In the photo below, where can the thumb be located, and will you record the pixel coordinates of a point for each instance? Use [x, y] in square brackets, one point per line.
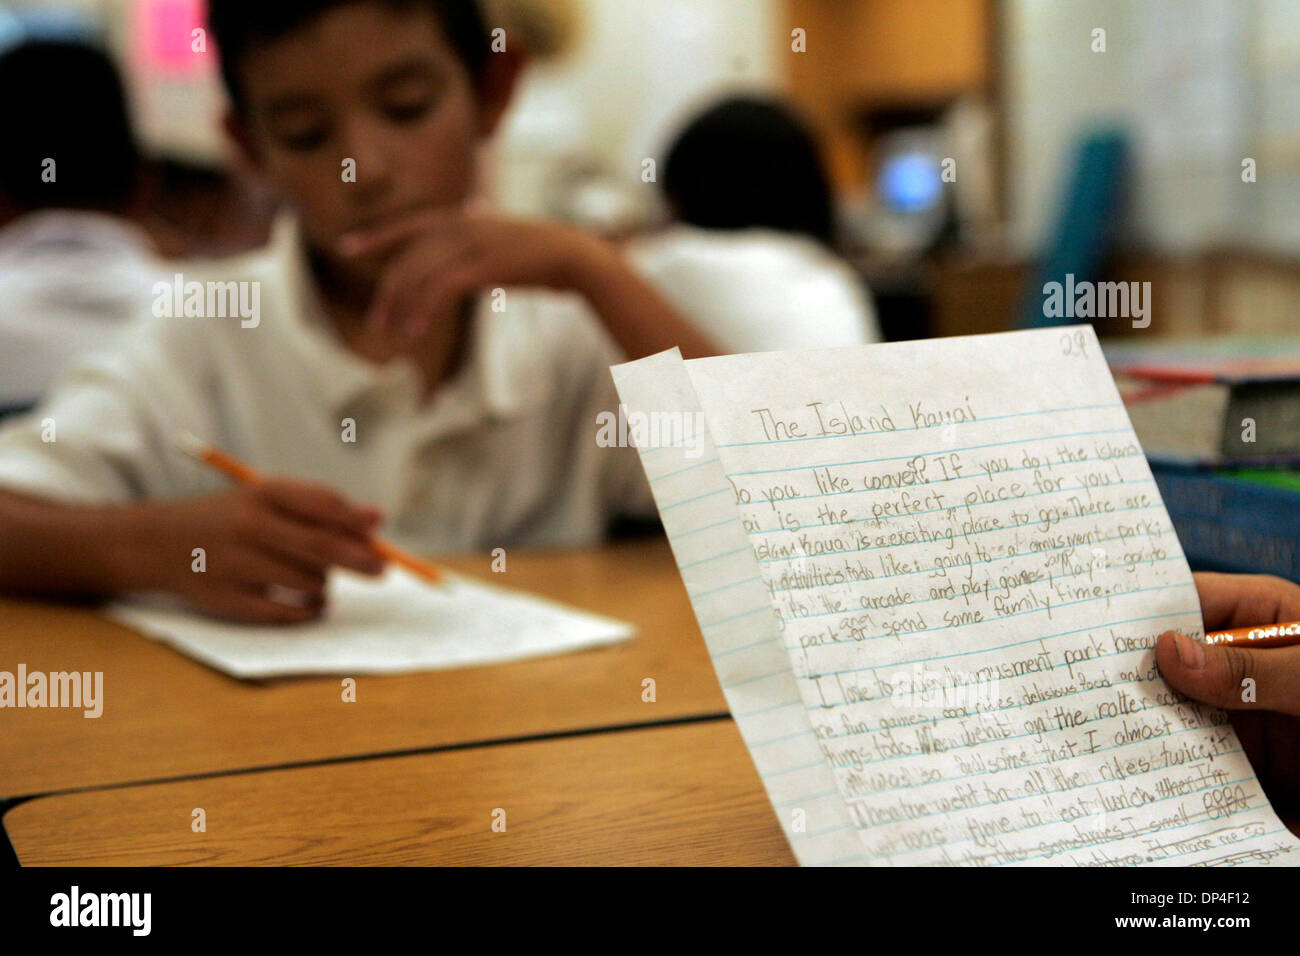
[1234, 678]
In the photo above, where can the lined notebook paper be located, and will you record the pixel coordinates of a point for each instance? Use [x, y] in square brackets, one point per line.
[392, 624]
[931, 576]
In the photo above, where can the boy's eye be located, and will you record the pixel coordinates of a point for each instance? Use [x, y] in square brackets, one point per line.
[304, 140]
[407, 95]
[407, 110]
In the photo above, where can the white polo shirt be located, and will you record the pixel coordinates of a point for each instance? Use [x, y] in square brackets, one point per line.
[68, 282]
[758, 290]
[504, 453]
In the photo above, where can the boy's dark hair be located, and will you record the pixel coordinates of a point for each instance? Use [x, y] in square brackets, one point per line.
[239, 25]
[748, 162]
[63, 100]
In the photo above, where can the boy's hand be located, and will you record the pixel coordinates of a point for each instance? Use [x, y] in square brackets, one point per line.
[1269, 726]
[258, 538]
[439, 257]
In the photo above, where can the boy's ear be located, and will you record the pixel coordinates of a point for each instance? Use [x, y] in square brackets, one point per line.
[501, 75]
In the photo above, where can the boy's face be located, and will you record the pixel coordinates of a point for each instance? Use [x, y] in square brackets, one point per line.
[375, 85]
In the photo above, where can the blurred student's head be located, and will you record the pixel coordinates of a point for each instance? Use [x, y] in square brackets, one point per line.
[749, 162]
[67, 136]
[360, 110]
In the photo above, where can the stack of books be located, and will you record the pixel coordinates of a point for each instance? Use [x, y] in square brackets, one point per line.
[1219, 420]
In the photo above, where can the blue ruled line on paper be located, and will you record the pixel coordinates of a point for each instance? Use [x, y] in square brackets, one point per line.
[714, 557]
[1145, 832]
[766, 607]
[987, 650]
[1127, 430]
[724, 587]
[940, 483]
[992, 620]
[929, 568]
[1213, 785]
[922, 721]
[910, 604]
[905, 544]
[808, 797]
[898, 431]
[769, 708]
[1095, 750]
[1051, 822]
[707, 527]
[682, 471]
[687, 501]
[959, 505]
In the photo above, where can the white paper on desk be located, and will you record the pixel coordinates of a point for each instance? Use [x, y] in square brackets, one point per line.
[394, 624]
[852, 512]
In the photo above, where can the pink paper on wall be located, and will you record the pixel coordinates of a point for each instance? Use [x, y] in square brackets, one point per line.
[165, 39]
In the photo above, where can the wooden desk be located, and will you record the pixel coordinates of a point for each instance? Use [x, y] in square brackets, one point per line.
[680, 795]
[166, 716]
[668, 795]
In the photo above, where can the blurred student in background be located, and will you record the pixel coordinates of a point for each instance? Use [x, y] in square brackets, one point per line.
[396, 357]
[750, 254]
[73, 265]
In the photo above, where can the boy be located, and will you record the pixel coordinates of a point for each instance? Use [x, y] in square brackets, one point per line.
[381, 347]
[751, 252]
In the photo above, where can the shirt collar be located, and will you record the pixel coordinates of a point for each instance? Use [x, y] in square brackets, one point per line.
[498, 378]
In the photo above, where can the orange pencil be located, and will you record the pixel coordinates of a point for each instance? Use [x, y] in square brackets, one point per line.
[232, 467]
[1263, 635]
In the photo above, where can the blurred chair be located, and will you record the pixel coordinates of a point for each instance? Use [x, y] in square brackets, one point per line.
[1092, 201]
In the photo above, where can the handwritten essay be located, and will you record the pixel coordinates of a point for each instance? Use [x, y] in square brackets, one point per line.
[931, 576]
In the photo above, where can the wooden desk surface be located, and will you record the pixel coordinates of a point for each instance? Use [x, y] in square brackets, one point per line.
[686, 794]
[677, 795]
[167, 716]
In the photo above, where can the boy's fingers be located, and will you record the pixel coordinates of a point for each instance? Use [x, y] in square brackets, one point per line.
[393, 289]
[1235, 678]
[314, 547]
[440, 294]
[396, 289]
[1244, 600]
[318, 505]
[401, 290]
[253, 606]
[257, 569]
[362, 242]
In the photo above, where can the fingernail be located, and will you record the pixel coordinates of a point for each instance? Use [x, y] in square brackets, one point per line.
[1191, 654]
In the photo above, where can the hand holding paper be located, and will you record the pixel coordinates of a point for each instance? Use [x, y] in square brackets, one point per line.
[931, 576]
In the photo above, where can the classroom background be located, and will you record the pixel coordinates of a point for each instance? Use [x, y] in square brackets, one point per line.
[1011, 89]
[976, 151]
[1007, 87]
[978, 154]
